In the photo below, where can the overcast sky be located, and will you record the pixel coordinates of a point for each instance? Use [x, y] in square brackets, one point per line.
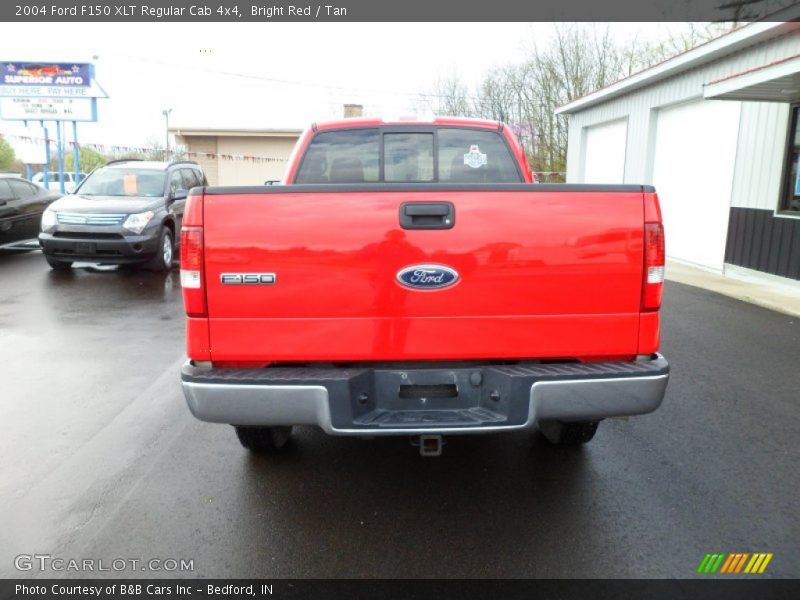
[267, 75]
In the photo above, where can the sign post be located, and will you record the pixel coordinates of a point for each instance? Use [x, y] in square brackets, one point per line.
[60, 156]
[76, 155]
[46, 166]
[55, 92]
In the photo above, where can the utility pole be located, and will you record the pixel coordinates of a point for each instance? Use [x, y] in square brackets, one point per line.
[166, 112]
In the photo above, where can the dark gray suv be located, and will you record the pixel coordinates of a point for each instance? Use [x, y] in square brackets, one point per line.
[125, 212]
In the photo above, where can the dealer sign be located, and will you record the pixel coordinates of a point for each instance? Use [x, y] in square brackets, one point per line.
[49, 74]
[48, 109]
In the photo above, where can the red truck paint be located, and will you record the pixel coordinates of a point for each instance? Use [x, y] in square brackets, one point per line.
[565, 283]
[547, 273]
[528, 290]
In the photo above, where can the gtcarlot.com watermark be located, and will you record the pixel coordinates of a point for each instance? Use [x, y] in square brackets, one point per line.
[48, 562]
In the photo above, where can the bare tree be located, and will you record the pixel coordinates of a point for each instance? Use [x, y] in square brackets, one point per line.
[691, 36]
[496, 99]
[737, 11]
[578, 60]
[449, 97]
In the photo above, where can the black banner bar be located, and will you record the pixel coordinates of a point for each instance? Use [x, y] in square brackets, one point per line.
[395, 10]
[513, 589]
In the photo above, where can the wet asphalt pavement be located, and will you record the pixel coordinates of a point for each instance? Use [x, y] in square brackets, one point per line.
[101, 459]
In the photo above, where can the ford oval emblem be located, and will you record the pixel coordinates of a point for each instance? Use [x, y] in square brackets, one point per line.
[427, 277]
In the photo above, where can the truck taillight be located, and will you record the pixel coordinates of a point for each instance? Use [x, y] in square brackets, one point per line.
[194, 298]
[653, 266]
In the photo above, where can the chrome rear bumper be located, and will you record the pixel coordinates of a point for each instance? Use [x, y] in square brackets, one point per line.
[366, 402]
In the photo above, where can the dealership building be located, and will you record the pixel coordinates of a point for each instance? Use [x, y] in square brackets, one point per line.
[244, 156]
[238, 156]
[716, 131]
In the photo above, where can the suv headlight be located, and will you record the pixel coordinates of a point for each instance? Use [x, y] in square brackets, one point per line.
[136, 223]
[49, 220]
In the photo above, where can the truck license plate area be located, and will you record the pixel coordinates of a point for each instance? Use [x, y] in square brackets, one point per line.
[442, 390]
[427, 398]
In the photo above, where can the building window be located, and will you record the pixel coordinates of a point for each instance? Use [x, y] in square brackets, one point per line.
[790, 200]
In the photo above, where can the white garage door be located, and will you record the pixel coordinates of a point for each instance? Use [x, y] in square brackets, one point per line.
[604, 161]
[693, 174]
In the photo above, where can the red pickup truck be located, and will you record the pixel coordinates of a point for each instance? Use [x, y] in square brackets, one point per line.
[411, 278]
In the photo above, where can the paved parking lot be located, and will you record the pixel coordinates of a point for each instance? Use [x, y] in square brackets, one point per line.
[101, 459]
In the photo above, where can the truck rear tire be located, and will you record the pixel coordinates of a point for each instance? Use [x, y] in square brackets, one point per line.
[263, 439]
[58, 265]
[568, 434]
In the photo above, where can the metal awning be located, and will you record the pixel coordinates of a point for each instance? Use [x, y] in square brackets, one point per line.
[777, 81]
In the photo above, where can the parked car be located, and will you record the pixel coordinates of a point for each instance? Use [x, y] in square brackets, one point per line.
[411, 279]
[126, 212]
[54, 180]
[21, 206]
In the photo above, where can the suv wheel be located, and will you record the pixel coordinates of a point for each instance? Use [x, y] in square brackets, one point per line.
[568, 434]
[263, 439]
[162, 261]
[58, 265]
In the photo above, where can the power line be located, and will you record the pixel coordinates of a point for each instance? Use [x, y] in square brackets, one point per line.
[295, 82]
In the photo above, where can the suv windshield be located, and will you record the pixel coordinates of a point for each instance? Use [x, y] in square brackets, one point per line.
[124, 182]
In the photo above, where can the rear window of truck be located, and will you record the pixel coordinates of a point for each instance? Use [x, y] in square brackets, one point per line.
[350, 156]
[448, 155]
[408, 157]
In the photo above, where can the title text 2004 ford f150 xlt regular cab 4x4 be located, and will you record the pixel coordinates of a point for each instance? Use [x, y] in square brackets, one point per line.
[412, 279]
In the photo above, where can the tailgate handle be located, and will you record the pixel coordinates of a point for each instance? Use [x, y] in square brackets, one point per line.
[427, 215]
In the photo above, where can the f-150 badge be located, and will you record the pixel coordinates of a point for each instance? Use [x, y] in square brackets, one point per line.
[427, 277]
[474, 158]
[247, 278]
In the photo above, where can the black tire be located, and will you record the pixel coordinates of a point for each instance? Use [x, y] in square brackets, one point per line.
[263, 439]
[160, 262]
[568, 434]
[58, 265]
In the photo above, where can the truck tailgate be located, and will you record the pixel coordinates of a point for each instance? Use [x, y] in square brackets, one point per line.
[541, 274]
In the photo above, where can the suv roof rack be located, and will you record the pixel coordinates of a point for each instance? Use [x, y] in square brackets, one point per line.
[172, 164]
[119, 160]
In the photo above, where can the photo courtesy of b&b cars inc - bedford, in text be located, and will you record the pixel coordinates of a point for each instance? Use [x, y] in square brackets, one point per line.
[400, 299]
